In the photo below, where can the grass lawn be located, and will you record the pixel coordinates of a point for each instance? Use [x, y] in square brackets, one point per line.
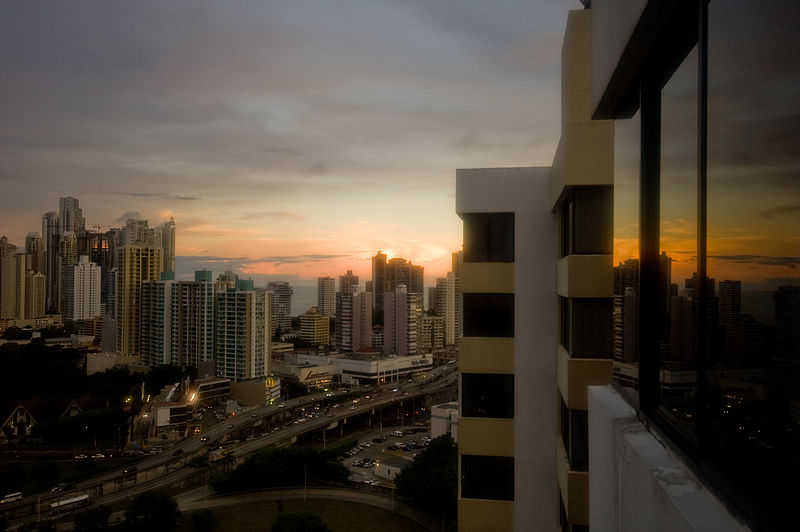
[340, 516]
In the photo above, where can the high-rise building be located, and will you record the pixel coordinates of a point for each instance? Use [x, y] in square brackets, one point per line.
[70, 216]
[378, 279]
[401, 311]
[326, 296]
[35, 293]
[281, 305]
[431, 333]
[544, 441]
[362, 321]
[178, 321]
[730, 301]
[168, 243]
[34, 248]
[315, 327]
[50, 234]
[451, 304]
[8, 279]
[226, 281]
[242, 335]
[353, 319]
[138, 263]
[67, 257]
[348, 282]
[82, 285]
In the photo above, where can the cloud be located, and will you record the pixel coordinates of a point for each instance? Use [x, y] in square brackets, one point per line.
[177, 197]
[293, 216]
[763, 260]
[780, 210]
[128, 215]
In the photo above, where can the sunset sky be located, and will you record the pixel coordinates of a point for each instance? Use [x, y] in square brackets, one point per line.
[287, 139]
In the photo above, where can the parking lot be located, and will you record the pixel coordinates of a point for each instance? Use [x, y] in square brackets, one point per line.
[380, 444]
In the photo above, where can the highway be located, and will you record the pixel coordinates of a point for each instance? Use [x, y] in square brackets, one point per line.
[171, 466]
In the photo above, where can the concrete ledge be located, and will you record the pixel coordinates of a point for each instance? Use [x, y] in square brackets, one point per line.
[585, 276]
[485, 436]
[637, 483]
[481, 515]
[487, 277]
[486, 355]
[575, 375]
[574, 486]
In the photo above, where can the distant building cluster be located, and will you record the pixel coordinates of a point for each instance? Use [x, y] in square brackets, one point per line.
[118, 285]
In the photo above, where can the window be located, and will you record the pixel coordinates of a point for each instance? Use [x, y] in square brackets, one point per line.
[586, 326]
[487, 395]
[487, 477]
[709, 308]
[575, 435]
[488, 315]
[488, 237]
[586, 221]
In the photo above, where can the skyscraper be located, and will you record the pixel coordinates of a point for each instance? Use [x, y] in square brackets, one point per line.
[348, 282]
[378, 279]
[242, 333]
[70, 216]
[281, 305]
[401, 311]
[315, 327]
[326, 296]
[178, 321]
[50, 234]
[168, 243]
[138, 263]
[82, 285]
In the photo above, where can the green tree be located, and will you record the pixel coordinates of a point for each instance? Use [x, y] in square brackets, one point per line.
[152, 511]
[299, 522]
[204, 520]
[431, 480]
[93, 520]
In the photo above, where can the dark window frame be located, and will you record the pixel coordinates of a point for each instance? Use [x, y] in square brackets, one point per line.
[488, 236]
[487, 477]
[497, 402]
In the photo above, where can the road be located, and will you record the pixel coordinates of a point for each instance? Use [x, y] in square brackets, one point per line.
[171, 467]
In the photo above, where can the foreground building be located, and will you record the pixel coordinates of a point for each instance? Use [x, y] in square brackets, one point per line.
[672, 161]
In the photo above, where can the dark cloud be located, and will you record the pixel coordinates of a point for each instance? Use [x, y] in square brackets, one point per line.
[779, 211]
[791, 262]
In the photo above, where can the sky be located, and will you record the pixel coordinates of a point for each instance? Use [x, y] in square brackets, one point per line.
[288, 140]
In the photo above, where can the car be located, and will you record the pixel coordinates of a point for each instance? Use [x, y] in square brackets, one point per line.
[81, 457]
[254, 415]
[129, 470]
[229, 426]
[97, 456]
[281, 405]
[64, 486]
[379, 439]
[203, 438]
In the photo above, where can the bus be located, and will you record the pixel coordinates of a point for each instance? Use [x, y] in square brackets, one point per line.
[11, 497]
[69, 504]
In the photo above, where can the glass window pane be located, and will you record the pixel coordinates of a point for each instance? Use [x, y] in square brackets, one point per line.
[626, 251]
[754, 252]
[678, 283]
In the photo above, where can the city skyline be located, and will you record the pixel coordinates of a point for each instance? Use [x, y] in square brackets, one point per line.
[295, 145]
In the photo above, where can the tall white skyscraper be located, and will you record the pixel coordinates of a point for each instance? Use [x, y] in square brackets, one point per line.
[401, 311]
[82, 283]
[242, 336]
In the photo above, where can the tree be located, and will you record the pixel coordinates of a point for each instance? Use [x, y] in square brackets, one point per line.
[93, 520]
[431, 480]
[299, 522]
[204, 520]
[152, 511]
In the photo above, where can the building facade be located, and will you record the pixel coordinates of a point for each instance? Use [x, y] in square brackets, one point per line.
[137, 263]
[242, 335]
[281, 305]
[326, 296]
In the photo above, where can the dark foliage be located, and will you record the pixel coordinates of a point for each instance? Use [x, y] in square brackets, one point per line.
[93, 520]
[152, 511]
[204, 520]
[281, 467]
[299, 522]
[431, 480]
